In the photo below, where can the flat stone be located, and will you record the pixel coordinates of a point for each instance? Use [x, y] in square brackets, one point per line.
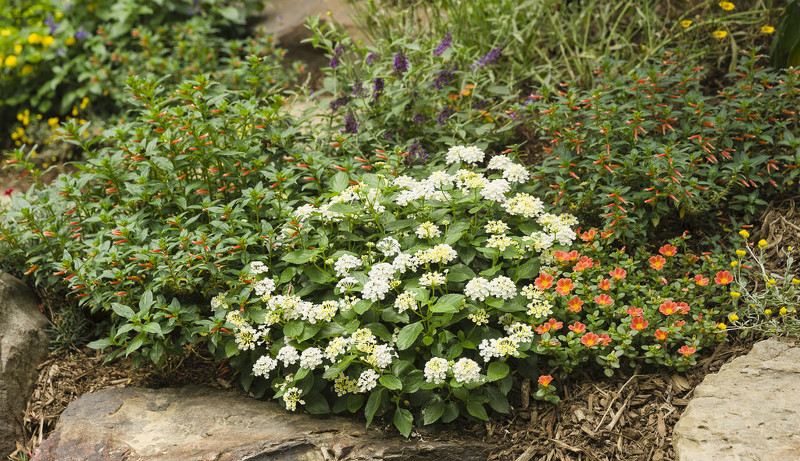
[199, 423]
[23, 346]
[749, 410]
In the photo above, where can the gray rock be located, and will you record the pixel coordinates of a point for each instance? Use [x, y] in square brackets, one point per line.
[23, 346]
[749, 410]
[198, 423]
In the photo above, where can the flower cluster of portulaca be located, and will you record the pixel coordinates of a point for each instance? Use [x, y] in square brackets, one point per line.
[406, 272]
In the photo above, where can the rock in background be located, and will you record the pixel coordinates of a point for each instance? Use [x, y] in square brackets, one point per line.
[23, 346]
[199, 423]
[749, 410]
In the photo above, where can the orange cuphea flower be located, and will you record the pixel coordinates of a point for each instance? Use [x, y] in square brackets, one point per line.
[543, 281]
[657, 262]
[661, 335]
[575, 304]
[668, 250]
[668, 307]
[604, 284]
[634, 311]
[545, 380]
[723, 278]
[564, 286]
[604, 300]
[577, 327]
[618, 274]
[700, 280]
[590, 339]
[638, 323]
[686, 350]
[589, 235]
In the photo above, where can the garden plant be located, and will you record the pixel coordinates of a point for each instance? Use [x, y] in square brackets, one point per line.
[396, 250]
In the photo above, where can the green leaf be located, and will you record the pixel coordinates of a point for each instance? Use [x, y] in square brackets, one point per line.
[460, 273]
[231, 348]
[334, 370]
[450, 412]
[339, 181]
[153, 327]
[354, 402]
[373, 404]
[455, 231]
[408, 334]
[433, 411]
[123, 310]
[497, 400]
[390, 382]
[477, 410]
[448, 304]
[146, 301]
[344, 208]
[362, 306]
[300, 256]
[497, 370]
[293, 329]
[317, 275]
[100, 343]
[316, 403]
[403, 420]
[136, 343]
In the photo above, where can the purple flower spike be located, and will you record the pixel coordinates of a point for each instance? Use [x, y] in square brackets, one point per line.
[488, 58]
[444, 45]
[350, 124]
[400, 63]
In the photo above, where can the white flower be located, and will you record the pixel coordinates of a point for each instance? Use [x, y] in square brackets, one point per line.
[477, 289]
[381, 271]
[264, 365]
[501, 242]
[515, 172]
[292, 397]
[246, 338]
[498, 348]
[381, 356]
[217, 302]
[311, 358]
[428, 230]
[364, 340]
[405, 301]
[302, 213]
[389, 246]
[432, 279]
[469, 154]
[436, 370]
[324, 312]
[480, 317]
[345, 264]
[520, 332]
[496, 227]
[496, 190]
[264, 287]
[466, 371]
[288, 355]
[439, 179]
[524, 204]
[466, 180]
[375, 289]
[257, 267]
[367, 380]
[236, 319]
[539, 241]
[499, 162]
[539, 308]
[404, 262]
[503, 287]
[346, 283]
[441, 254]
[336, 347]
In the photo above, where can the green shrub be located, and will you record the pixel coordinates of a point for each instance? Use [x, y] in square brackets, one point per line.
[638, 153]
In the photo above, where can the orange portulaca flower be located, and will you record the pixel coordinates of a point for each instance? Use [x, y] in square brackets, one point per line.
[668, 250]
[590, 339]
[543, 281]
[589, 235]
[723, 278]
[618, 274]
[686, 350]
[604, 284]
[657, 262]
[564, 286]
[604, 300]
[575, 304]
[668, 307]
[661, 335]
[577, 327]
[700, 280]
[545, 380]
[634, 311]
[638, 323]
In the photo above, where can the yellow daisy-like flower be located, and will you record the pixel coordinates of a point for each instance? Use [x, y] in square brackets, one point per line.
[735, 294]
[744, 233]
[48, 40]
[727, 6]
[734, 263]
[733, 317]
[720, 33]
[762, 243]
[740, 253]
[69, 41]
[722, 326]
[686, 23]
[34, 38]
[768, 311]
[17, 48]
[27, 69]
[5, 32]
[10, 61]
[782, 311]
[767, 29]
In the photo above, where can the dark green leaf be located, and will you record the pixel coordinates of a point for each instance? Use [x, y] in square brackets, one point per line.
[497, 370]
[391, 382]
[408, 334]
[403, 420]
[477, 410]
[433, 411]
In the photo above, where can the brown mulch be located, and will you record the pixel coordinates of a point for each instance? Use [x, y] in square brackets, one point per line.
[780, 227]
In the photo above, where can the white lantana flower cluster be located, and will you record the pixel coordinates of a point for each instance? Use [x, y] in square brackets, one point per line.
[465, 154]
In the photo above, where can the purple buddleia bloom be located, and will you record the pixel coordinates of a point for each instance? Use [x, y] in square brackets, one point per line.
[337, 103]
[420, 117]
[400, 63]
[446, 112]
[379, 85]
[416, 153]
[350, 124]
[51, 23]
[337, 51]
[444, 78]
[488, 58]
[444, 45]
[61, 52]
[81, 34]
[358, 89]
[371, 58]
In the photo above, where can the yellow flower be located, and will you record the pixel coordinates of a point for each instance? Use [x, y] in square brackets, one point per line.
[762, 243]
[34, 38]
[767, 29]
[69, 41]
[686, 23]
[5, 32]
[48, 40]
[727, 6]
[782, 311]
[768, 311]
[735, 294]
[796, 281]
[17, 49]
[740, 253]
[10, 61]
[720, 33]
[744, 233]
[27, 69]
[733, 317]
[722, 326]
[734, 263]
